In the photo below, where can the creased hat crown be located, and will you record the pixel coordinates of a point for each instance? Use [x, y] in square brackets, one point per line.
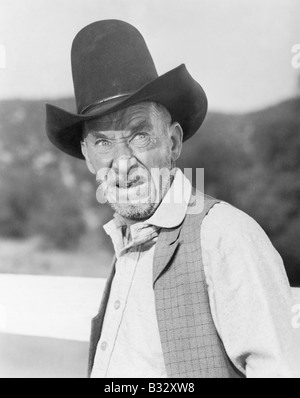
[109, 58]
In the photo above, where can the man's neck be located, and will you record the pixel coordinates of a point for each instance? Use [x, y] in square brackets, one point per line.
[130, 221]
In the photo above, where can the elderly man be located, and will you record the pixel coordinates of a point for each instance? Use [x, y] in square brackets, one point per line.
[197, 289]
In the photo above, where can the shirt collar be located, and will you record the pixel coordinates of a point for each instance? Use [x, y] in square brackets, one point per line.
[173, 208]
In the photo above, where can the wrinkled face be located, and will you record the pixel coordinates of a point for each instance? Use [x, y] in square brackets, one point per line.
[132, 152]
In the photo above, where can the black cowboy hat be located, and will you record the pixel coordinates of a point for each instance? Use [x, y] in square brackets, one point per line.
[113, 69]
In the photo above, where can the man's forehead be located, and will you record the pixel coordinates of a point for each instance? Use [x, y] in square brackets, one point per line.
[136, 115]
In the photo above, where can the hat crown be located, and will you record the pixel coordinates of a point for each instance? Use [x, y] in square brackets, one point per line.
[109, 59]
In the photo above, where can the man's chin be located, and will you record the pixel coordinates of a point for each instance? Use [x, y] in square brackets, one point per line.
[137, 212]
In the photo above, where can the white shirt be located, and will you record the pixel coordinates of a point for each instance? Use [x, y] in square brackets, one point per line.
[249, 294]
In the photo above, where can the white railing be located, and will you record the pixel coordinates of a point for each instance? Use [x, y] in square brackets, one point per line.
[44, 306]
[45, 324]
[55, 307]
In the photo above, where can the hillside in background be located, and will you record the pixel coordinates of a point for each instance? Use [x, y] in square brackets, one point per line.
[251, 161]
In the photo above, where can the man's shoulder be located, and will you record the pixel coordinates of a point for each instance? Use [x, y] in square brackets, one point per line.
[221, 217]
[227, 220]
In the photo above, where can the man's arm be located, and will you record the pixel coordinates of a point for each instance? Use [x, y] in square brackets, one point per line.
[250, 295]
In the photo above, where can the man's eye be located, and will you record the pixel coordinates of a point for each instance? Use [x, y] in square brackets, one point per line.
[140, 136]
[102, 143]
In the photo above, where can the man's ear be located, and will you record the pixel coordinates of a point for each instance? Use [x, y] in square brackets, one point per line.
[87, 158]
[176, 136]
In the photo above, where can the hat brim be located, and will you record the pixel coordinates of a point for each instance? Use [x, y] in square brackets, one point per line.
[176, 90]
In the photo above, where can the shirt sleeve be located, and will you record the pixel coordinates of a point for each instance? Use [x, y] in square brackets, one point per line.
[250, 296]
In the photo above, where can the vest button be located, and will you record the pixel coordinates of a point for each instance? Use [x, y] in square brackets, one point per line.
[117, 304]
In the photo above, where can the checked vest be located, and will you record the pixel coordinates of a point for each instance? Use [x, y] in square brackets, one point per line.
[191, 345]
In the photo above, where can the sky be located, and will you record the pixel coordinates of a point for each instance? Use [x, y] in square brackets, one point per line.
[240, 51]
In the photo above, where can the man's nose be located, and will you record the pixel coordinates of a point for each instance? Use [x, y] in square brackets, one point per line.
[123, 164]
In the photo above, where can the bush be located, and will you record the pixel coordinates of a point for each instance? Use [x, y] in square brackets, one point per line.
[59, 218]
[33, 204]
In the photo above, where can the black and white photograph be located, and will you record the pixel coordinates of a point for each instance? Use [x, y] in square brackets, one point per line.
[149, 191]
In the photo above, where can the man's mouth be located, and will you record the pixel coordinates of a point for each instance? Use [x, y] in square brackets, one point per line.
[130, 183]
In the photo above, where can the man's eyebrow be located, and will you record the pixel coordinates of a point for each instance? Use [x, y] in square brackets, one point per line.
[98, 134]
[143, 125]
[138, 127]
